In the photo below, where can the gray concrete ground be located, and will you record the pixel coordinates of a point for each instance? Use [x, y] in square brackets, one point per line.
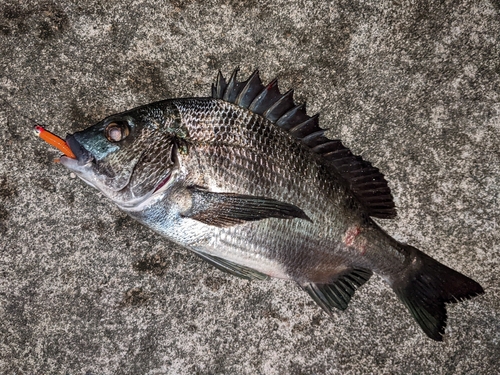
[412, 86]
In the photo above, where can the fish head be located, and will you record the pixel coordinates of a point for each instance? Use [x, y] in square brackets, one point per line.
[128, 156]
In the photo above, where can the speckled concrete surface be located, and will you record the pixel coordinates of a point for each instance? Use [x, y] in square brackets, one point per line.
[414, 88]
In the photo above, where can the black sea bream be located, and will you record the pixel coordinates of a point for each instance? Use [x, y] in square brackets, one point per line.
[249, 182]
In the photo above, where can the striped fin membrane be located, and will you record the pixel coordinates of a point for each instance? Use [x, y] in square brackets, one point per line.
[367, 183]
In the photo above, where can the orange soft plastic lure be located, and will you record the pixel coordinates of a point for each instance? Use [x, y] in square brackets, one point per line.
[54, 140]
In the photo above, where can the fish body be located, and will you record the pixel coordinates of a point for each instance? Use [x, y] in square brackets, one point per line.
[254, 160]
[248, 181]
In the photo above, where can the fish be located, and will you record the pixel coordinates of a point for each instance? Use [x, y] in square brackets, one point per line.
[250, 183]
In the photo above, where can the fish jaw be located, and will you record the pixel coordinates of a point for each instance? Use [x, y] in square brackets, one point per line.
[84, 171]
[85, 167]
[88, 173]
[83, 164]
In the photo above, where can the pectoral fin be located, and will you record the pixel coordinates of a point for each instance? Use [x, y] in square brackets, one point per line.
[227, 209]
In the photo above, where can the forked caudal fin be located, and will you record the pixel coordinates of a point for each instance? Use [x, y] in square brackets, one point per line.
[426, 286]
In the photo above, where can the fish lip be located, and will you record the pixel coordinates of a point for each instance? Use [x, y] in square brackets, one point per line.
[83, 156]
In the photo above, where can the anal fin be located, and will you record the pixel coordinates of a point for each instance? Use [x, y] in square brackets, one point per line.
[337, 293]
[232, 268]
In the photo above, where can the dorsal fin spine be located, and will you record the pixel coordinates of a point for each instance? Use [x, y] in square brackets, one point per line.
[307, 127]
[289, 118]
[251, 89]
[330, 145]
[282, 105]
[314, 139]
[267, 97]
[220, 86]
[231, 87]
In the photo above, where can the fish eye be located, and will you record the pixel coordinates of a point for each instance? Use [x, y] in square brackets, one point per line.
[117, 131]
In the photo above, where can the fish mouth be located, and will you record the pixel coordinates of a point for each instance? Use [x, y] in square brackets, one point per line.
[83, 156]
[82, 165]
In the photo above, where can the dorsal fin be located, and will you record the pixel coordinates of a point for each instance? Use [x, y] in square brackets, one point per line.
[367, 183]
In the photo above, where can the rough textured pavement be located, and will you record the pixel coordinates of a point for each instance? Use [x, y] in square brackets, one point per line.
[411, 86]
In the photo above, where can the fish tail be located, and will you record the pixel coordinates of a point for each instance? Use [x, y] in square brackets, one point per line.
[426, 285]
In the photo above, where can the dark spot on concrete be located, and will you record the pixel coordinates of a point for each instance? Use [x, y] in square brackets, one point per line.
[45, 30]
[48, 20]
[213, 61]
[496, 4]
[300, 369]
[97, 226]
[46, 184]
[337, 43]
[23, 28]
[16, 309]
[42, 155]
[54, 22]
[121, 37]
[78, 116]
[258, 302]
[12, 11]
[69, 197]
[185, 257]
[7, 188]
[270, 312]
[316, 320]
[181, 4]
[299, 328]
[214, 283]
[5, 30]
[123, 223]
[175, 29]
[4, 215]
[158, 264]
[240, 7]
[148, 79]
[135, 297]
